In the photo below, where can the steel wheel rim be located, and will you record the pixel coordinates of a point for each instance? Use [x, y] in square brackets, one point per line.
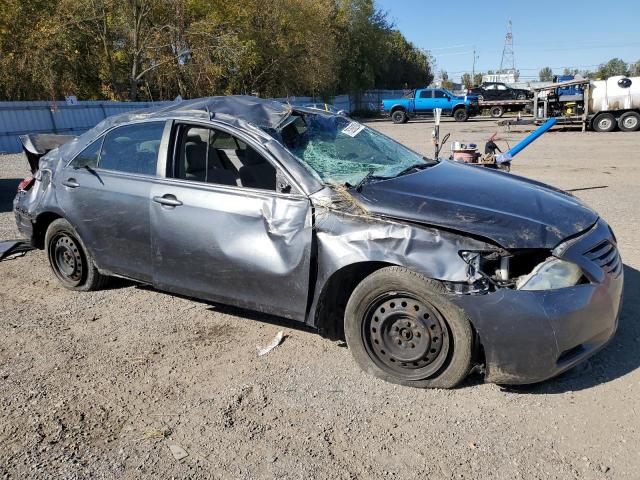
[630, 122]
[605, 124]
[66, 259]
[405, 336]
[398, 116]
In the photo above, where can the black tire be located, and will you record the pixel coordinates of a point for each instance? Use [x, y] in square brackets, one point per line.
[521, 96]
[629, 121]
[401, 328]
[460, 115]
[480, 98]
[399, 116]
[70, 260]
[496, 111]
[604, 122]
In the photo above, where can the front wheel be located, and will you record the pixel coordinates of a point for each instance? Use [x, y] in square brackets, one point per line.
[70, 260]
[521, 96]
[460, 115]
[401, 328]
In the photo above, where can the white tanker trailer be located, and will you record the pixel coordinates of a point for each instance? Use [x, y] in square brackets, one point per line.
[603, 106]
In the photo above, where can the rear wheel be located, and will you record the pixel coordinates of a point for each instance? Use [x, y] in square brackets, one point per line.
[399, 116]
[497, 111]
[629, 122]
[460, 115]
[401, 328]
[70, 260]
[521, 96]
[605, 122]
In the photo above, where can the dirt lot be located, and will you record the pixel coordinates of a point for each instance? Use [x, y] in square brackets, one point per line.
[102, 384]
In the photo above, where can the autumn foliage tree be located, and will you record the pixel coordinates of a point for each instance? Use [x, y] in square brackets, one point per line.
[158, 49]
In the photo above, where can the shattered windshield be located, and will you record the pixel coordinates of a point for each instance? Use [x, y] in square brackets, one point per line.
[342, 151]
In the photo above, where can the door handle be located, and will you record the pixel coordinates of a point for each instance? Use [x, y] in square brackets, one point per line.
[168, 199]
[71, 183]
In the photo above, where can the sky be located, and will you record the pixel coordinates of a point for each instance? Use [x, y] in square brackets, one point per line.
[574, 34]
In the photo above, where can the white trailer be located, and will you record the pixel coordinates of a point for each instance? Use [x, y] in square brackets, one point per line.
[605, 104]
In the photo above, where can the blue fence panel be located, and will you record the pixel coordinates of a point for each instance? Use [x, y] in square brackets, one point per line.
[18, 118]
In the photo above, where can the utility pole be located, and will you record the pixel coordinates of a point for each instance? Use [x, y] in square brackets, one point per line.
[473, 67]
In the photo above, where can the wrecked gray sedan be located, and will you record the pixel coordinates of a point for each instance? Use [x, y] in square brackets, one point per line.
[428, 267]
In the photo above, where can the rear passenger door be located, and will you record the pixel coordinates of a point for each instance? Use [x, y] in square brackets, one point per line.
[105, 192]
[424, 102]
[228, 224]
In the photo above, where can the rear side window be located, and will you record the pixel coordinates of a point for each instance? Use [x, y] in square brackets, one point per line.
[425, 94]
[132, 148]
[89, 156]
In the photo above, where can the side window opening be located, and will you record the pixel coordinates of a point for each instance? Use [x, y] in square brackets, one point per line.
[213, 156]
[425, 94]
[439, 94]
[89, 156]
[132, 148]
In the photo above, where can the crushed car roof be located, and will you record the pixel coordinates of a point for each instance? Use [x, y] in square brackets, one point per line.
[257, 111]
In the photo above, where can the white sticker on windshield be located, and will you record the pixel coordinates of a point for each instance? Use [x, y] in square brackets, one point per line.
[353, 129]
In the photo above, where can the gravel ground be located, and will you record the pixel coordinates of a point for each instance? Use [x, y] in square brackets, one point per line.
[106, 384]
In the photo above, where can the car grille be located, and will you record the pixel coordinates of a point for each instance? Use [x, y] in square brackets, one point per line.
[606, 256]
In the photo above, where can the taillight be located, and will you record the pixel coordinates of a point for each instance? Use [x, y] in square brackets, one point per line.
[381, 105]
[26, 184]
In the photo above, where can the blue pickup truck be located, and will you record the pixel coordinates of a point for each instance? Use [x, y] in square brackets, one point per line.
[421, 102]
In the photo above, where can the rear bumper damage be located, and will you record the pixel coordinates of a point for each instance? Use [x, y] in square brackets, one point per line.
[23, 218]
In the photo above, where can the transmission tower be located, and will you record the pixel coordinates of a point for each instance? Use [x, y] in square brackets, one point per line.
[508, 62]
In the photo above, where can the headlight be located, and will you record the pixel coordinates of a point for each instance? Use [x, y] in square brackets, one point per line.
[551, 274]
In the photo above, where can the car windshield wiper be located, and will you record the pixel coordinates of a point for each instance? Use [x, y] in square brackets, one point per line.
[416, 166]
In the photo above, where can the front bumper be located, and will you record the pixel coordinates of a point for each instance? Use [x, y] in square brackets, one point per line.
[530, 336]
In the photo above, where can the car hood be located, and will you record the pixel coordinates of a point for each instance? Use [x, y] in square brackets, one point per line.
[512, 211]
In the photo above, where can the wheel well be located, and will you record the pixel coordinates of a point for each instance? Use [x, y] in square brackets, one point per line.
[398, 107]
[336, 293]
[459, 106]
[40, 227]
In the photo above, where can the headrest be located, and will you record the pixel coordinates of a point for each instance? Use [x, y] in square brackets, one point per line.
[195, 156]
[251, 157]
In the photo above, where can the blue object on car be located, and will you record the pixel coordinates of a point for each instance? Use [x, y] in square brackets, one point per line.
[508, 156]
